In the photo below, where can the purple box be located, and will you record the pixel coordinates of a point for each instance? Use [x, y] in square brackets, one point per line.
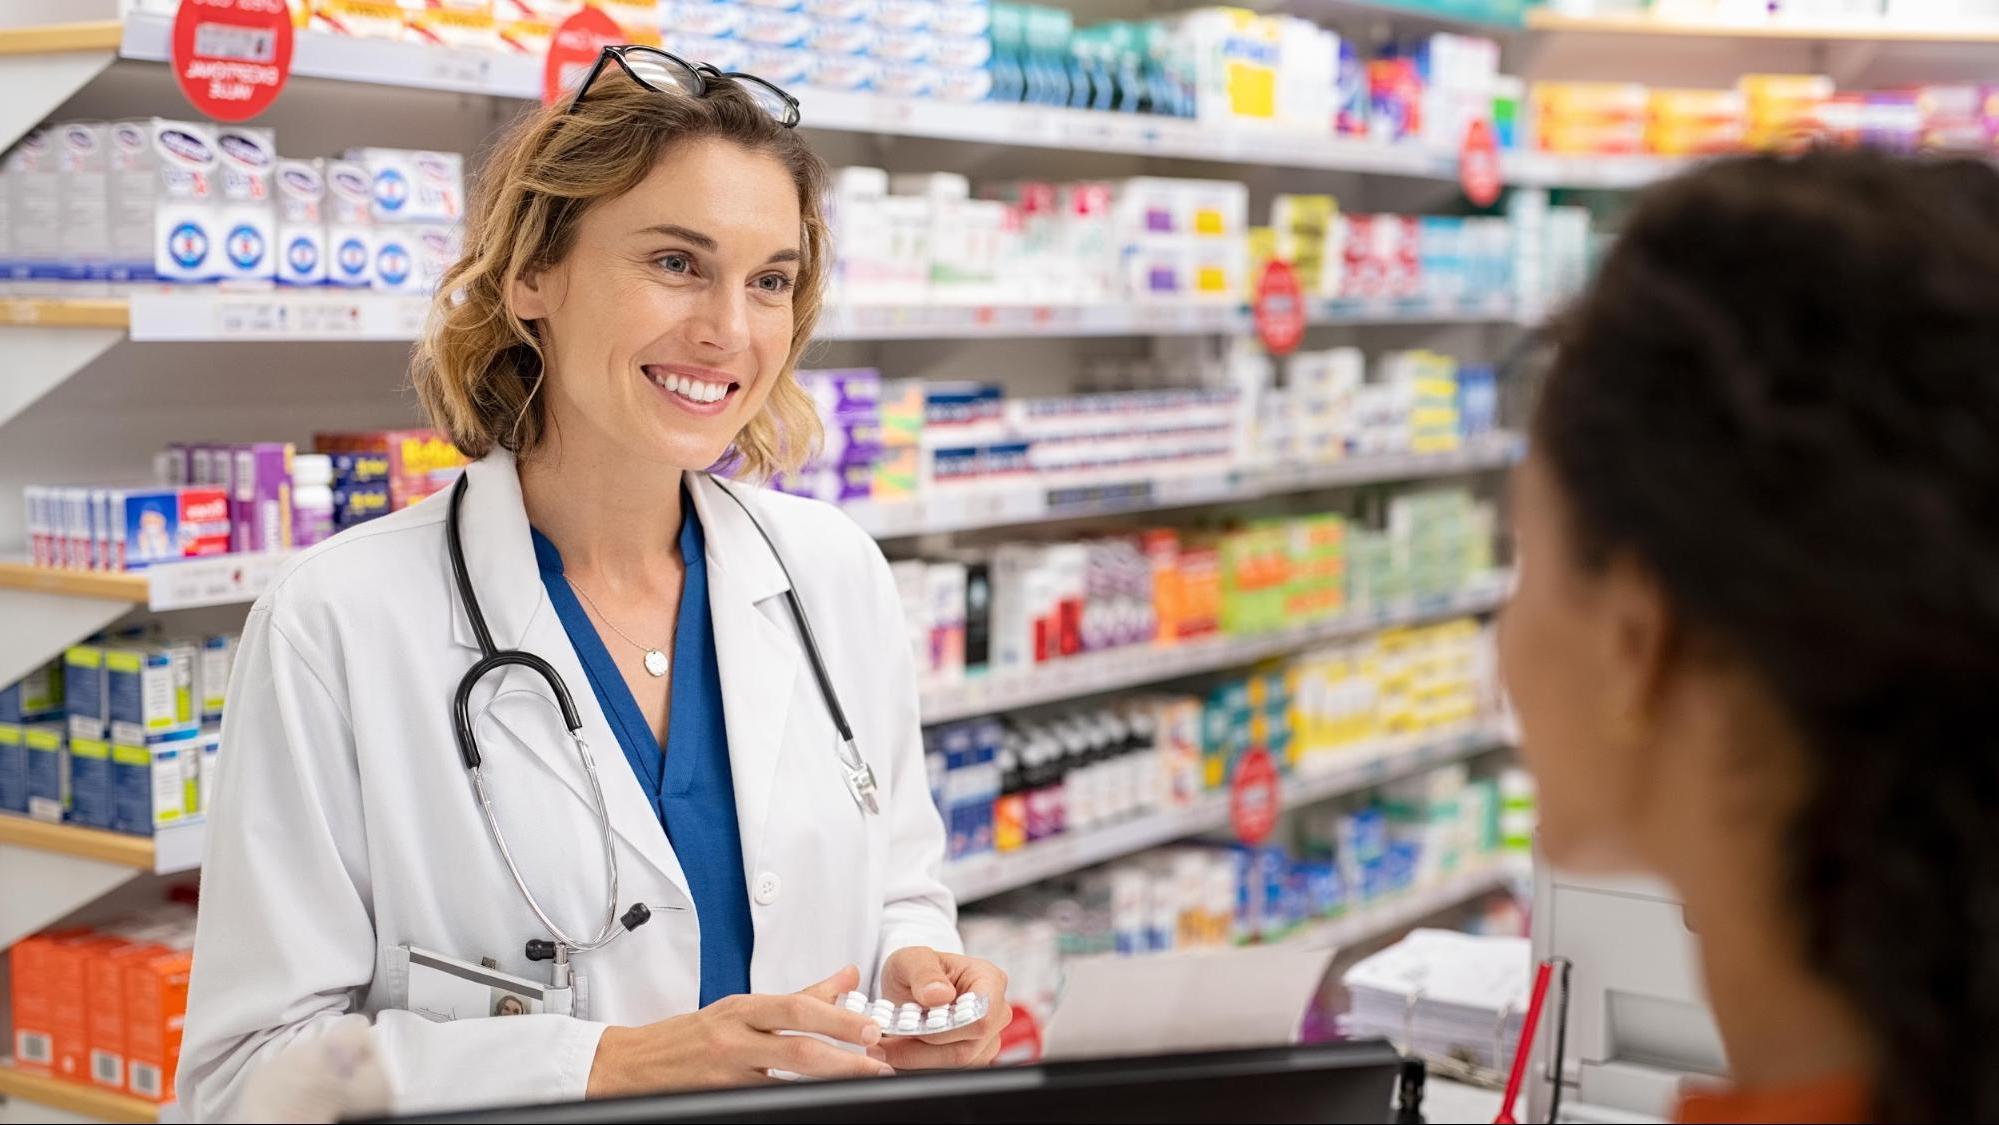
[263, 488]
[842, 393]
[851, 441]
[834, 484]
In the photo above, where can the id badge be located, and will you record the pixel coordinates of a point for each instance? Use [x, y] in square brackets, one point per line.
[443, 989]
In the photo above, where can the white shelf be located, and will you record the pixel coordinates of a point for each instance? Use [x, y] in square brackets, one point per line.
[990, 509]
[1615, 173]
[210, 314]
[987, 875]
[1133, 665]
[189, 584]
[1406, 908]
[1874, 29]
[1028, 126]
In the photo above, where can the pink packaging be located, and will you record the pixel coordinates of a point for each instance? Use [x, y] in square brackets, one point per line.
[261, 509]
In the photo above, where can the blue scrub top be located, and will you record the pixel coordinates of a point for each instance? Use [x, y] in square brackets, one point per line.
[689, 783]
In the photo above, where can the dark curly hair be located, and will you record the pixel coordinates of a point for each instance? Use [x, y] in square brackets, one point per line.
[1782, 395]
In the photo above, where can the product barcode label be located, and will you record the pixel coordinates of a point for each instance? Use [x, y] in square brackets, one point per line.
[35, 1047]
[145, 1080]
[106, 1069]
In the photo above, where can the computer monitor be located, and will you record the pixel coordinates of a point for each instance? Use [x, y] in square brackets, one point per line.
[1321, 1082]
[1639, 1025]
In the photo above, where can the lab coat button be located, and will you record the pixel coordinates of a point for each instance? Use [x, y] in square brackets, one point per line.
[768, 884]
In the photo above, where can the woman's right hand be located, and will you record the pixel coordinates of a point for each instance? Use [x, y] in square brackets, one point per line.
[735, 1042]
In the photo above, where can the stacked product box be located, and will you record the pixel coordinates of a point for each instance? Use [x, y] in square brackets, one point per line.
[121, 734]
[378, 471]
[849, 404]
[416, 203]
[104, 1006]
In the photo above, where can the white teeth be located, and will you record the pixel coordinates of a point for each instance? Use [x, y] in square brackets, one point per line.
[691, 388]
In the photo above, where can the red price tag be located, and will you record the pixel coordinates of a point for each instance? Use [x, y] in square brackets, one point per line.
[1253, 797]
[1478, 164]
[1279, 309]
[232, 57]
[573, 50]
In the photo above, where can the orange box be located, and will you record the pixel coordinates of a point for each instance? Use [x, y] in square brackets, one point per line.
[155, 1010]
[68, 979]
[33, 1001]
[105, 1009]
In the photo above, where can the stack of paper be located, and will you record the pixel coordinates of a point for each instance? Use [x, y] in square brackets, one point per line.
[1443, 994]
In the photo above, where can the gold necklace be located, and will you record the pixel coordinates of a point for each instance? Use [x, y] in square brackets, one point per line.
[656, 662]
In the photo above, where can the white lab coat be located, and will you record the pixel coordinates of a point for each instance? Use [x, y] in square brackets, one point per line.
[345, 824]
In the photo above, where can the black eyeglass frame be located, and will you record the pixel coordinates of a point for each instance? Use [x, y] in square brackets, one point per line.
[704, 79]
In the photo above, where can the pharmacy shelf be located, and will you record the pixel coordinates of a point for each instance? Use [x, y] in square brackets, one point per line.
[1361, 768]
[1872, 30]
[192, 584]
[169, 851]
[1609, 173]
[458, 70]
[71, 1097]
[211, 314]
[1134, 665]
[1407, 908]
[978, 510]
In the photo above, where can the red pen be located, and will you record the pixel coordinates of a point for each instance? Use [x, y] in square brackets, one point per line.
[1525, 1047]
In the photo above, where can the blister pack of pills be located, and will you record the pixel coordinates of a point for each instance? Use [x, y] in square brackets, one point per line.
[912, 1019]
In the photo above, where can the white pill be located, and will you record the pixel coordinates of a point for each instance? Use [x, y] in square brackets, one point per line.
[854, 1002]
[939, 1019]
[882, 1019]
[908, 1022]
[884, 1007]
[968, 998]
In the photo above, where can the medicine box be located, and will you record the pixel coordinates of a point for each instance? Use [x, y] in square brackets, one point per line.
[217, 659]
[34, 697]
[155, 1010]
[155, 525]
[246, 158]
[13, 768]
[92, 802]
[83, 163]
[85, 697]
[34, 214]
[150, 692]
[350, 226]
[47, 752]
[186, 242]
[156, 783]
[106, 1026]
[407, 186]
[420, 461]
[301, 229]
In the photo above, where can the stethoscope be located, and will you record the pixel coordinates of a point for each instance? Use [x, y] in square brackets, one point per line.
[855, 771]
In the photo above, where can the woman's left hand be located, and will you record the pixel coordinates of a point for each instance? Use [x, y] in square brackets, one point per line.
[934, 979]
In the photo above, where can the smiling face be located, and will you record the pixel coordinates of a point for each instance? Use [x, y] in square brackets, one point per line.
[670, 319]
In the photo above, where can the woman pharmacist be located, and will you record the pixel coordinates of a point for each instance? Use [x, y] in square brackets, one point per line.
[708, 862]
[1755, 644]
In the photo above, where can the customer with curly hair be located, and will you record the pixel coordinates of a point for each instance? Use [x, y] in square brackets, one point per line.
[1755, 645]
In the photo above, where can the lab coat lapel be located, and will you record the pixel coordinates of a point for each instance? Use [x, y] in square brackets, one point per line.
[755, 649]
[499, 557]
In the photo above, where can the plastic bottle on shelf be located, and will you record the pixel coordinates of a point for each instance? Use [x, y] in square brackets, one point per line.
[312, 498]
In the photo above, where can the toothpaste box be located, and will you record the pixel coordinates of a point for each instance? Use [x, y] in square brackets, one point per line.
[408, 186]
[217, 660]
[47, 752]
[85, 693]
[350, 225]
[34, 214]
[13, 769]
[185, 205]
[90, 793]
[33, 698]
[301, 229]
[150, 691]
[262, 496]
[83, 166]
[247, 158]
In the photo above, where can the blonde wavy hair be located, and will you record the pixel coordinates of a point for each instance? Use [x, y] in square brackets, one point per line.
[479, 367]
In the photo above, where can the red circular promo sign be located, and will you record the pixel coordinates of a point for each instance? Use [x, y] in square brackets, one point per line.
[1478, 164]
[573, 50]
[1253, 798]
[232, 57]
[1279, 308]
[1020, 1040]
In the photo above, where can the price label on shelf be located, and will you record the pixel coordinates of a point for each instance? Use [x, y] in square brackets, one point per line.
[1279, 309]
[231, 57]
[458, 68]
[1254, 801]
[574, 49]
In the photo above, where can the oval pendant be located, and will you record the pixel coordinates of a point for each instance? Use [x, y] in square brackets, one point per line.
[655, 662]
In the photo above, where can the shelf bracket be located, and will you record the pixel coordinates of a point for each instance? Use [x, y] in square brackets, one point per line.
[45, 887]
[41, 625]
[40, 357]
[38, 83]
